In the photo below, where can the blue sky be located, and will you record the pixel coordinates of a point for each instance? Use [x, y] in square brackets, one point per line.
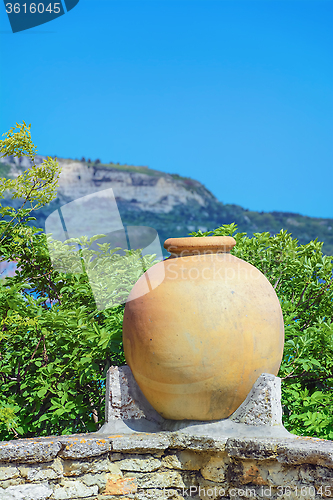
[236, 94]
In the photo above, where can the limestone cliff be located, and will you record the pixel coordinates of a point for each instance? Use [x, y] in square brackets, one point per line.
[141, 188]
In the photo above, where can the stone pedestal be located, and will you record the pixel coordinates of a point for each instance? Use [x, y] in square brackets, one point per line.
[127, 411]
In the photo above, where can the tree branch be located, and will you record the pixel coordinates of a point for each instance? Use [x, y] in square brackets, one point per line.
[33, 355]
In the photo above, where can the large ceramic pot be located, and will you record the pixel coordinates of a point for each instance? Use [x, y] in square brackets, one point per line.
[198, 340]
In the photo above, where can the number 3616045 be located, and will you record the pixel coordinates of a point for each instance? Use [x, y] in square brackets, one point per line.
[33, 8]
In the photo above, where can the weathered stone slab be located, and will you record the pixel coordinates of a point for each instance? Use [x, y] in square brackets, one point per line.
[182, 441]
[30, 450]
[145, 443]
[292, 452]
[83, 446]
[247, 448]
[306, 450]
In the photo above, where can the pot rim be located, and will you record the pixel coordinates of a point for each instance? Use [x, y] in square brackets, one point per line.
[199, 245]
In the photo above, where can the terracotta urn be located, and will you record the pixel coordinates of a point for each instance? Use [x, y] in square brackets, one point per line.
[197, 340]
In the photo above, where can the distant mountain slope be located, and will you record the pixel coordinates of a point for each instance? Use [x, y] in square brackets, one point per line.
[171, 204]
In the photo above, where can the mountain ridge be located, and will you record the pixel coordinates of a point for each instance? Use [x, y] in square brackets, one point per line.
[172, 204]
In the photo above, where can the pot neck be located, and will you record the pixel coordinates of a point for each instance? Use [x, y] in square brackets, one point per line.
[206, 245]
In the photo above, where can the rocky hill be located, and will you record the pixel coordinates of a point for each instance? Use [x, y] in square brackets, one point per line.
[169, 203]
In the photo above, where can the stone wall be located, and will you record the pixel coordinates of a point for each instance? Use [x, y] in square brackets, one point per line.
[169, 465]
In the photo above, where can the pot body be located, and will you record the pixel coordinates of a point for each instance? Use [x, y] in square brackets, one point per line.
[197, 342]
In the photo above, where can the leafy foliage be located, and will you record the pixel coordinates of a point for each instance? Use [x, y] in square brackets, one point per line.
[56, 346]
[37, 186]
[302, 278]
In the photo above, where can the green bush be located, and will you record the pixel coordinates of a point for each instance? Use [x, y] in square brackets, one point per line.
[56, 346]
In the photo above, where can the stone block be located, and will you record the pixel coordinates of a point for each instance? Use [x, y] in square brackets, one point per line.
[79, 467]
[98, 480]
[160, 480]
[216, 468]
[323, 478]
[276, 474]
[145, 442]
[30, 450]
[250, 472]
[318, 451]
[8, 472]
[185, 460]
[261, 449]
[69, 490]
[137, 463]
[11, 482]
[27, 492]
[126, 408]
[200, 443]
[116, 485]
[81, 446]
[262, 405]
[42, 472]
